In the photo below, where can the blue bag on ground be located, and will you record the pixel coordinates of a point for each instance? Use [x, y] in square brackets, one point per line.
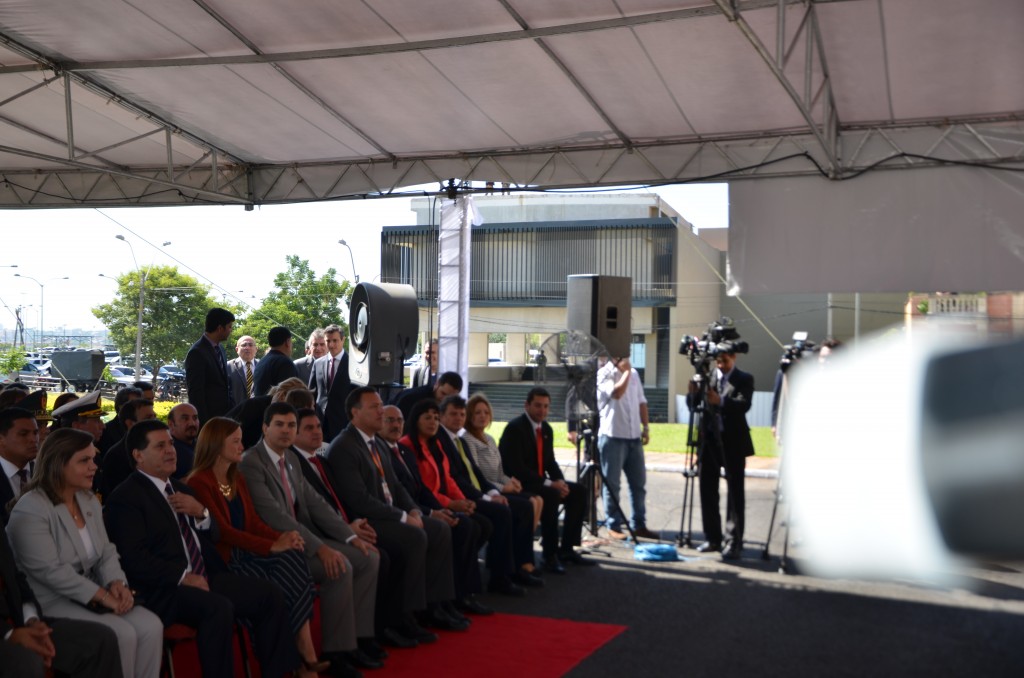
[655, 552]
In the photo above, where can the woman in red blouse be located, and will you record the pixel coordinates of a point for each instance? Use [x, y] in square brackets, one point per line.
[421, 437]
[247, 544]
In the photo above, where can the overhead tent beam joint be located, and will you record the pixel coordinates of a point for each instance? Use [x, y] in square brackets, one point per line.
[729, 9]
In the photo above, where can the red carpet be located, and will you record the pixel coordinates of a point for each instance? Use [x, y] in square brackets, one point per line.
[495, 647]
[503, 645]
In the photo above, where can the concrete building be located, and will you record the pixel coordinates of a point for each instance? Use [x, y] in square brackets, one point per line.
[528, 244]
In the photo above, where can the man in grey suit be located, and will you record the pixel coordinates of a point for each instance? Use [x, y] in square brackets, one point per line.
[242, 370]
[329, 381]
[316, 347]
[344, 565]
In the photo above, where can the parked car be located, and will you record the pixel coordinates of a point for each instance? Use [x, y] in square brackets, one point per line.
[32, 371]
[130, 372]
[120, 378]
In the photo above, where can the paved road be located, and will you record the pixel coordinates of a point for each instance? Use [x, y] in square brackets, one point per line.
[703, 616]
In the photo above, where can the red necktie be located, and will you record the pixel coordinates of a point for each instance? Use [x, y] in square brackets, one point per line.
[330, 374]
[315, 460]
[540, 452]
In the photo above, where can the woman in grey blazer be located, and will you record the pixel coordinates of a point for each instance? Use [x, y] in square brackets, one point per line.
[59, 540]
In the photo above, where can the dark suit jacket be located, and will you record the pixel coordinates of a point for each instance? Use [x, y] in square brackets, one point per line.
[249, 413]
[113, 431]
[403, 462]
[357, 481]
[145, 530]
[6, 495]
[736, 400]
[115, 467]
[236, 374]
[408, 398]
[312, 477]
[304, 367]
[518, 449]
[331, 400]
[459, 471]
[272, 370]
[15, 592]
[206, 379]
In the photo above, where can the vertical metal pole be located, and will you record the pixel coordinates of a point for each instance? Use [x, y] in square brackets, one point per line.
[856, 318]
[828, 317]
[39, 340]
[138, 333]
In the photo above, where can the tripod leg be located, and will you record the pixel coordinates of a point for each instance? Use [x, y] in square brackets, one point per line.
[771, 523]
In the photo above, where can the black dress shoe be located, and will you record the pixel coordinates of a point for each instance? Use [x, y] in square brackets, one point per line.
[413, 630]
[437, 618]
[710, 547]
[643, 532]
[574, 558]
[732, 553]
[372, 648]
[361, 660]
[505, 587]
[341, 667]
[470, 605]
[394, 638]
[453, 612]
[553, 565]
[524, 578]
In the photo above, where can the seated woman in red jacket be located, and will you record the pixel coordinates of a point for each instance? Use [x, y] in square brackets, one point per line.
[421, 437]
[247, 544]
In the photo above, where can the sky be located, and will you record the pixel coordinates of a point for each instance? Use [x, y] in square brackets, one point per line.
[237, 253]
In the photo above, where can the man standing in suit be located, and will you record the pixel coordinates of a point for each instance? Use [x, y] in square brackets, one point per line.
[277, 364]
[29, 646]
[242, 370]
[162, 534]
[426, 373]
[329, 381]
[344, 565]
[19, 445]
[316, 347]
[727, 444]
[420, 548]
[206, 367]
[528, 453]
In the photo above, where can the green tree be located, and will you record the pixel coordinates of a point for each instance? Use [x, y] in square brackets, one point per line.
[172, 318]
[301, 302]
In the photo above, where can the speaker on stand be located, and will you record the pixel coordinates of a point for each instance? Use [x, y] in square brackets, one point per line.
[383, 321]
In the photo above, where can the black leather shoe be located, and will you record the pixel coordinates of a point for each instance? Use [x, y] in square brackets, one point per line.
[437, 618]
[574, 558]
[452, 611]
[470, 605]
[361, 660]
[505, 587]
[395, 638]
[341, 667]
[413, 630]
[732, 553]
[372, 648]
[553, 565]
[524, 578]
[709, 547]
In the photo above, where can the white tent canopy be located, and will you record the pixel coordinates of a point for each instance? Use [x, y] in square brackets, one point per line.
[146, 102]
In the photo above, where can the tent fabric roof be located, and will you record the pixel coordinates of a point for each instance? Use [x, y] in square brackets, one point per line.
[256, 101]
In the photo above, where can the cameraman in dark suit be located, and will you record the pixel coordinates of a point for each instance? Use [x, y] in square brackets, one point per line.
[727, 444]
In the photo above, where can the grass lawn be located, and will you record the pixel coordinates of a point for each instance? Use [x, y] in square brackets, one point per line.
[664, 437]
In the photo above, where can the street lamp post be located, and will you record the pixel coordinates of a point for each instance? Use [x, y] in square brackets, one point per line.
[142, 304]
[355, 275]
[42, 300]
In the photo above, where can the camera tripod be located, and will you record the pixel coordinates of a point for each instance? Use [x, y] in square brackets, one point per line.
[590, 476]
[691, 469]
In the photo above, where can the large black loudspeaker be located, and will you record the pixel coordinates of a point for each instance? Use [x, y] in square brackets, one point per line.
[600, 305]
[383, 320]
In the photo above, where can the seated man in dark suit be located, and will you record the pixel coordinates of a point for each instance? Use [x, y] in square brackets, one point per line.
[117, 463]
[29, 645]
[115, 429]
[489, 500]
[420, 548]
[528, 453]
[162, 533]
[448, 383]
[466, 534]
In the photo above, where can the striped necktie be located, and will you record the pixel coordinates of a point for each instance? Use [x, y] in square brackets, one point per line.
[248, 379]
[195, 555]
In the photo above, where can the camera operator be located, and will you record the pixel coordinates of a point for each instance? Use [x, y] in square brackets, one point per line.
[727, 444]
